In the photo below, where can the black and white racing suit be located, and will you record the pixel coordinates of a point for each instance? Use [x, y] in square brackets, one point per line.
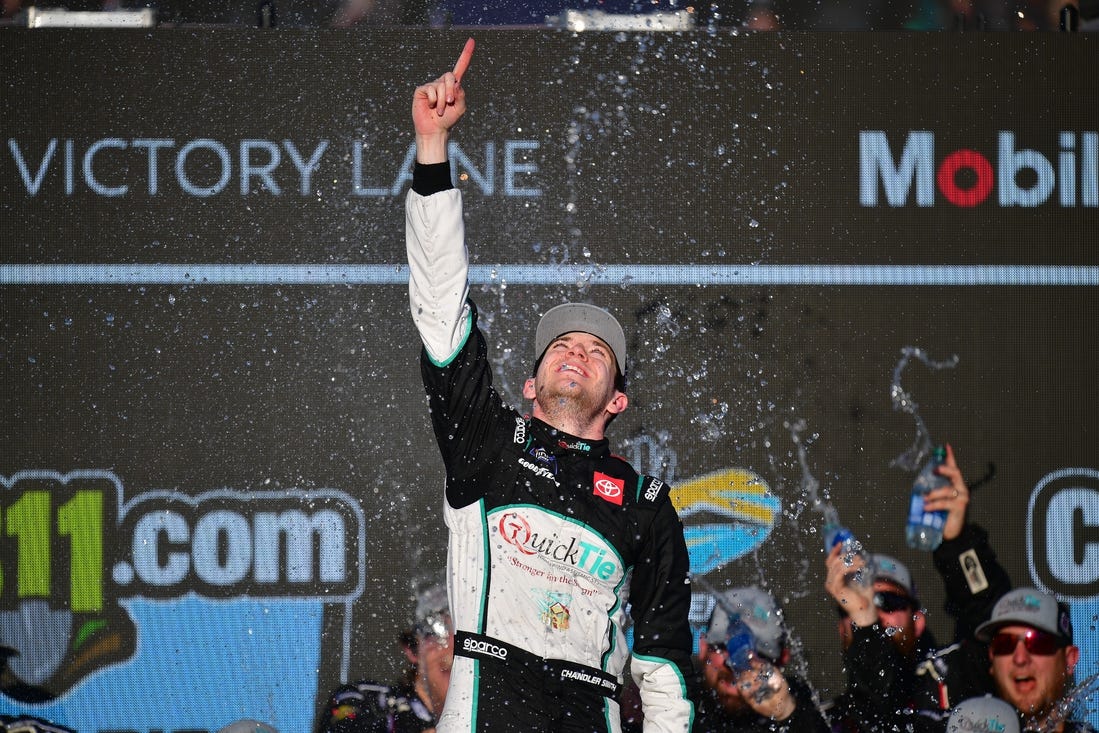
[550, 536]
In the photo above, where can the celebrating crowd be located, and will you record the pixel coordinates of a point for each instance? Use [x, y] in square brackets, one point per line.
[1008, 668]
[1012, 648]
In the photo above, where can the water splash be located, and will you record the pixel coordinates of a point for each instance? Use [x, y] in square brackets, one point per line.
[652, 454]
[712, 422]
[809, 485]
[821, 502]
[1078, 703]
[703, 604]
[913, 458]
[814, 497]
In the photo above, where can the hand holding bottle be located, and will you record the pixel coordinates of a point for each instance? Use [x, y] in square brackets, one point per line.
[765, 689]
[850, 548]
[952, 498]
[855, 598]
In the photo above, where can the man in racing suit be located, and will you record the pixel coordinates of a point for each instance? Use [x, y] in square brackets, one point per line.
[551, 537]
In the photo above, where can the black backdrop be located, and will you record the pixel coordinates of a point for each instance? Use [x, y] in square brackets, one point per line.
[705, 187]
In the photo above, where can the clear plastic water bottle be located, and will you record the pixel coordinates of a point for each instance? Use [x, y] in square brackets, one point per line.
[741, 650]
[741, 646]
[925, 529]
[836, 534]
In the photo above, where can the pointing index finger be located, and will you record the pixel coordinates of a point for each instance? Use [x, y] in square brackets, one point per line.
[463, 60]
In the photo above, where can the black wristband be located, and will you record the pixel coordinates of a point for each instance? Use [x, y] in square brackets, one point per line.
[429, 178]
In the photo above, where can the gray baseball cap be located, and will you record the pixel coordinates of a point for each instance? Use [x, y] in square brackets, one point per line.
[1028, 607]
[893, 571]
[759, 612]
[984, 715]
[583, 317]
[432, 611]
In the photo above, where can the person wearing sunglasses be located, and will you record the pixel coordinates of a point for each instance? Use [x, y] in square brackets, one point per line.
[911, 675]
[1016, 643]
[1032, 656]
[747, 685]
[887, 647]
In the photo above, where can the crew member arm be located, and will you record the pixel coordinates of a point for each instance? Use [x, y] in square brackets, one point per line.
[974, 580]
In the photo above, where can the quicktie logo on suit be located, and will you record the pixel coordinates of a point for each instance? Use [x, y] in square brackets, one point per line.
[585, 553]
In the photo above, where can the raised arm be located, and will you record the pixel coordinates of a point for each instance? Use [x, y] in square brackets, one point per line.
[434, 230]
[973, 578]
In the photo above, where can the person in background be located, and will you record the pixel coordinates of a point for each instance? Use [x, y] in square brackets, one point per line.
[413, 704]
[747, 685]
[1016, 643]
[1033, 658]
[898, 678]
[890, 655]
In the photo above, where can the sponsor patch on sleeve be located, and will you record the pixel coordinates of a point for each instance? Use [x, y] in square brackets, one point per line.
[653, 488]
[608, 488]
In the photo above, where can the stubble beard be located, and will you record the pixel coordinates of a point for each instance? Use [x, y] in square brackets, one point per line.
[564, 407]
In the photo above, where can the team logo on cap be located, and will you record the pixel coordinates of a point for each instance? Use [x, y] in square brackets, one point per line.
[1027, 604]
[989, 725]
[608, 488]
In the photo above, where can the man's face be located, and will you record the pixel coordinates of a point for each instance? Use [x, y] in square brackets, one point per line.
[718, 677]
[576, 376]
[435, 656]
[896, 611]
[1030, 679]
